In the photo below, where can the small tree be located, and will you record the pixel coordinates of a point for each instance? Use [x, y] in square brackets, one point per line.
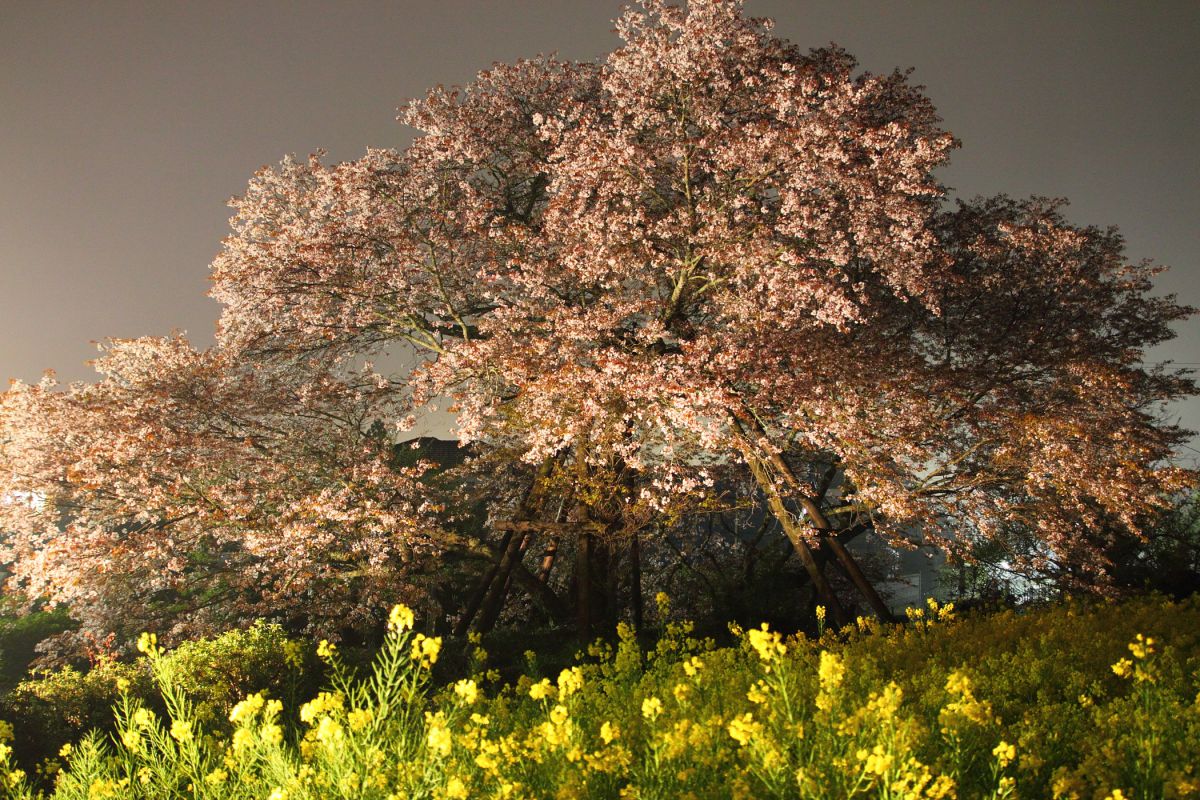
[187, 494]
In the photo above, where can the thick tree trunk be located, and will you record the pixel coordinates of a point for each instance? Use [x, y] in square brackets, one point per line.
[594, 584]
[820, 523]
[829, 537]
[493, 604]
[796, 535]
[481, 590]
[635, 581]
[608, 561]
[542, 594]
[483, 615]
[498, 590]
[855, 573]
[583, 585]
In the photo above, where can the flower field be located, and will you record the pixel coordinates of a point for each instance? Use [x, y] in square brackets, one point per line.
[1087, 701]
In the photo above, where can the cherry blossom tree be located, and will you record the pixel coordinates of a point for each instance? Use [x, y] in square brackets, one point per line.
[715, 246]
[711, 249]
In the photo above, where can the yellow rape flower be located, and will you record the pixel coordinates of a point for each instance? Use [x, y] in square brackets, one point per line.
[132, 740]
[148, 643]
[326, 649]
[651, 708]
[324, 702]
[878, 761]
[1141, 647]
[247, 709]
[663, 601]
[401, 618]
[569, 682]
[541, 690]
[456, 789]
[100, 789]
[328, 731]
[438, 737]
[272, 735]
[830, 671]
[768, 644]
[292, 654]
[243, 739]
[425, 649]
[359, 718]
[1004, 753]
[181, 731]
[487, 760]
[609, 732]
[742, 729]
[959, 684]
[467, 690]
[885, 704]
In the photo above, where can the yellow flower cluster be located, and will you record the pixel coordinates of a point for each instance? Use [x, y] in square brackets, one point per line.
[467, 691]
[1141, 668]
[742, 729]
[401, 618]
[247, 709]
[542, 690]
[767, 643]
[966, 709]
[569, 682]
[325, 703]
[425, 649]
[148, 643]
[831, 670]
[863, 713]
[652, 708]
[437, 734]
[1004, 753]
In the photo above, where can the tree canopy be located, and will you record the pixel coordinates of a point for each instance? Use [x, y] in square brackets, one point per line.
[709, 249]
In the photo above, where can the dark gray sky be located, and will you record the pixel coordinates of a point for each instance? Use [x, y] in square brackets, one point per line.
[124, 127]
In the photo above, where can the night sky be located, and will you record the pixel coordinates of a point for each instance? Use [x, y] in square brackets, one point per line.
[124, 127]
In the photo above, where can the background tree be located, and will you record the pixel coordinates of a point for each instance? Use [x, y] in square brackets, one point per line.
[185, 494]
